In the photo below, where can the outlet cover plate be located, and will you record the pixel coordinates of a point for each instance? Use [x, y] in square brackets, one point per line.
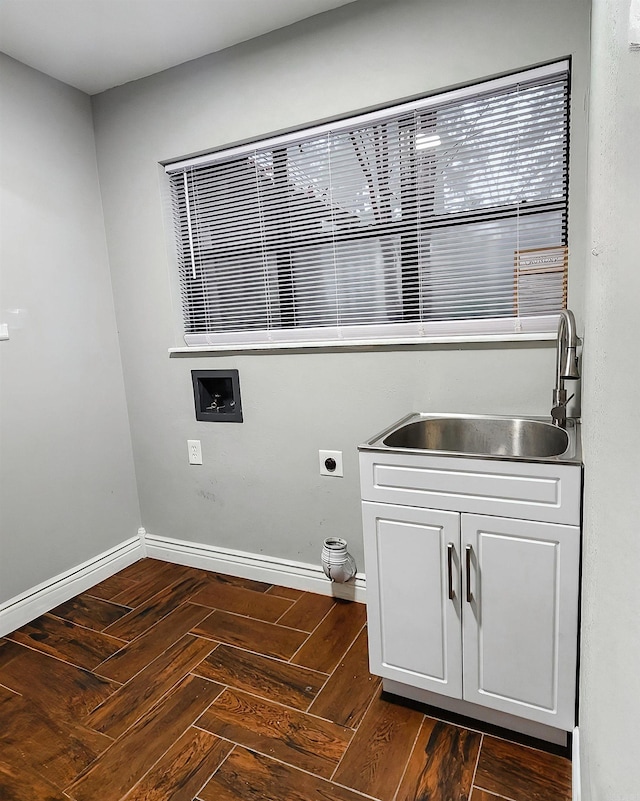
[337, 457]
[195, 451]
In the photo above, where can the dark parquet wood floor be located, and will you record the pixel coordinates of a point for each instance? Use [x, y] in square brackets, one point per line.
[169, 683]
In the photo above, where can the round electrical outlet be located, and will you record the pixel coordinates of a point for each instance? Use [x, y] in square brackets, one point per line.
[330, 463]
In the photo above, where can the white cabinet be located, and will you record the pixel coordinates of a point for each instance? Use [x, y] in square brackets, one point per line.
[414, 627]
[477, 607]
[521, 616]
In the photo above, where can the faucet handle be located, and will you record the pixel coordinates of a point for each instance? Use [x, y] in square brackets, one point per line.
[559, 411]
[560, 403]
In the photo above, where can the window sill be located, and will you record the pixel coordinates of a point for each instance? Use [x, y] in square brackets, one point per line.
[365, 344]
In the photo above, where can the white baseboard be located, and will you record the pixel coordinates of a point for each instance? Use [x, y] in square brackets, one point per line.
[576, 780]
[35, 602]
[285, 572]
[46, 596]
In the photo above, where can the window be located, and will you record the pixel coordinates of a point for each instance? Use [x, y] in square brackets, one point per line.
[421, 220]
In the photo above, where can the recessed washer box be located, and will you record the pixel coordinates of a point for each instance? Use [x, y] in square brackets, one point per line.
[217, 396]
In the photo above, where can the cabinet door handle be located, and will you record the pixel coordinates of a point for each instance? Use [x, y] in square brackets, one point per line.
[468, 566]
[452, 594]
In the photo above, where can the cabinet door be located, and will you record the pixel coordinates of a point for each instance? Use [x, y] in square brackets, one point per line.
[412, 561]
[520, 624]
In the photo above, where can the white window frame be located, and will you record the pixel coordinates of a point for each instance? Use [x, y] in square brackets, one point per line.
[478, 329]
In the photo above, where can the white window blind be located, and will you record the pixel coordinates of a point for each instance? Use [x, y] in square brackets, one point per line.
[404, 223]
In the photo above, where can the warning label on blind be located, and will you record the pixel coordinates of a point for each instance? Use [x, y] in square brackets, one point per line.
[540, 281]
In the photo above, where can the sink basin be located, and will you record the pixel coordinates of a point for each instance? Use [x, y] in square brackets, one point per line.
[481, 436]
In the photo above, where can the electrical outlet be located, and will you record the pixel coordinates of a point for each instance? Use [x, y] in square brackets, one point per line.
[331, 463]
[195, 451]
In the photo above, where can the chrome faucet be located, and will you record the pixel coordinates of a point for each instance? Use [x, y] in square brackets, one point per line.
[566, 366]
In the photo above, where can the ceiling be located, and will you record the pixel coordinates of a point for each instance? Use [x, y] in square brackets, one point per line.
[97, 44]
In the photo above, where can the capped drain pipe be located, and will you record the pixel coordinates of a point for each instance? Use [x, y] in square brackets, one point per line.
[338, 565]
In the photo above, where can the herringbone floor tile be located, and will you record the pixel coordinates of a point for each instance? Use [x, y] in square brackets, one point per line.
[167, 683]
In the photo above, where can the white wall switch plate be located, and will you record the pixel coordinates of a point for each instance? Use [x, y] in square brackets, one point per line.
[195, 451]
[331, 463]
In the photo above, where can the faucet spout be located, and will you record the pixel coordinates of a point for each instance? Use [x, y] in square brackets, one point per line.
[566, 365]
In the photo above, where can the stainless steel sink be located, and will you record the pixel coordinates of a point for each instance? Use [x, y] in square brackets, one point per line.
[481, 436]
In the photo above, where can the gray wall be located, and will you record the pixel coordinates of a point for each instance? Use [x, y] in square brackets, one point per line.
[259, 489]
[67, 486]
[610, 699]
